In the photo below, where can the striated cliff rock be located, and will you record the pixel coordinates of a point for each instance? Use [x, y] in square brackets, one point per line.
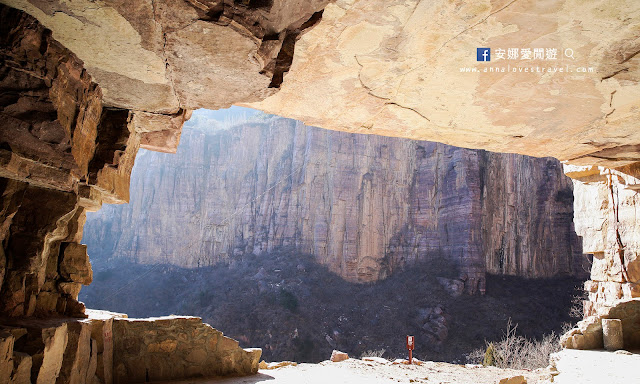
[607, 216]
[231, 50]
[362, 205]
[371, 66]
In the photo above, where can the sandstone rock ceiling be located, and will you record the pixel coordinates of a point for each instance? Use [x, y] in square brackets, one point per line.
[393, 68]
[381, 67]
[159, 56]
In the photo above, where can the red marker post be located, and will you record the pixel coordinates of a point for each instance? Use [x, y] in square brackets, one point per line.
[410, 345]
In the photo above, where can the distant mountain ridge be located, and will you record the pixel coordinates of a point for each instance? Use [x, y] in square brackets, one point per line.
[363, 205]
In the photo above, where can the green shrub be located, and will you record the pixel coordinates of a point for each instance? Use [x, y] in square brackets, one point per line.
[489, 359]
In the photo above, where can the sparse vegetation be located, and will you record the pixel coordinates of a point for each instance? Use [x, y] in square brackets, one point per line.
[515, 351]
[577, 304]
[373, 353]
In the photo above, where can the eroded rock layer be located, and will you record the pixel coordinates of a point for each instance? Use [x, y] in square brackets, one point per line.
[410, 69]
[231, 50]
[608, 218]
[109, 348]
[362, 205]
[52, 167]
[176, 347]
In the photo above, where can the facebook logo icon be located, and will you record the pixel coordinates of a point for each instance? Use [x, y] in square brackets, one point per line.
[484, 54]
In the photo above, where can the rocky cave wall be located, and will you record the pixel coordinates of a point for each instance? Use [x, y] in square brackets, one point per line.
[60, 149]
[362, 205]
[68, 144]
[383, 65]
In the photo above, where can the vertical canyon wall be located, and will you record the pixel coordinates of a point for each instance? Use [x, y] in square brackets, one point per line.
[361, 204]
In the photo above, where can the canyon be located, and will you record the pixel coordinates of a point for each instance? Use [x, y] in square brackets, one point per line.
[85, 84]
[364, 206]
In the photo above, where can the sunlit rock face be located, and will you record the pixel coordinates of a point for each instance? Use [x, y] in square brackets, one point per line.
[362, 205]
[388, 68]
[62, 153]
[394, 68]
[607, 212]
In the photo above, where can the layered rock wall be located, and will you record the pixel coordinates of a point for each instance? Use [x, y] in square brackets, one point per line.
[108, 348]
[608, 217]
[62, 152]
[172, 347]
[362, 205]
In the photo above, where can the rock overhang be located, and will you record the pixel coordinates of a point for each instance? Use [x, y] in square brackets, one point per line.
[406, 68]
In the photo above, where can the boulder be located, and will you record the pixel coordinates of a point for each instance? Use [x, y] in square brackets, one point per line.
[6, 355]
[453, 287]
[612, 334]
[176, 347]
[513, 380]
[337, 356]
[589, 333]
[75, 265]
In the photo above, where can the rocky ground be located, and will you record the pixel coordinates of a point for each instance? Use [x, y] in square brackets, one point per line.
[295, 309]
[573, 367]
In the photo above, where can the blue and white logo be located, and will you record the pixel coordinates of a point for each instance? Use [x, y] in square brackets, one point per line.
[484, 54]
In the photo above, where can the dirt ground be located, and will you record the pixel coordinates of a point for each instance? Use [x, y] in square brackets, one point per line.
[573, 367]
[355, 371]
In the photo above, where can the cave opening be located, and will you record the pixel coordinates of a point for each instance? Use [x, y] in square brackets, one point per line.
[84, 85]
[300, 240]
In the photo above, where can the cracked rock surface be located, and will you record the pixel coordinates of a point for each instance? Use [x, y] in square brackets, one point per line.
[394, 68]
[162, 56]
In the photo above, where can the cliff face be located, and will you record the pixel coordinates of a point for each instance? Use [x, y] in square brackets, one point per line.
[361, 204]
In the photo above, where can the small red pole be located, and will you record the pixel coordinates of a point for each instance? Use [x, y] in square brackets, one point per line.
[410, 345]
